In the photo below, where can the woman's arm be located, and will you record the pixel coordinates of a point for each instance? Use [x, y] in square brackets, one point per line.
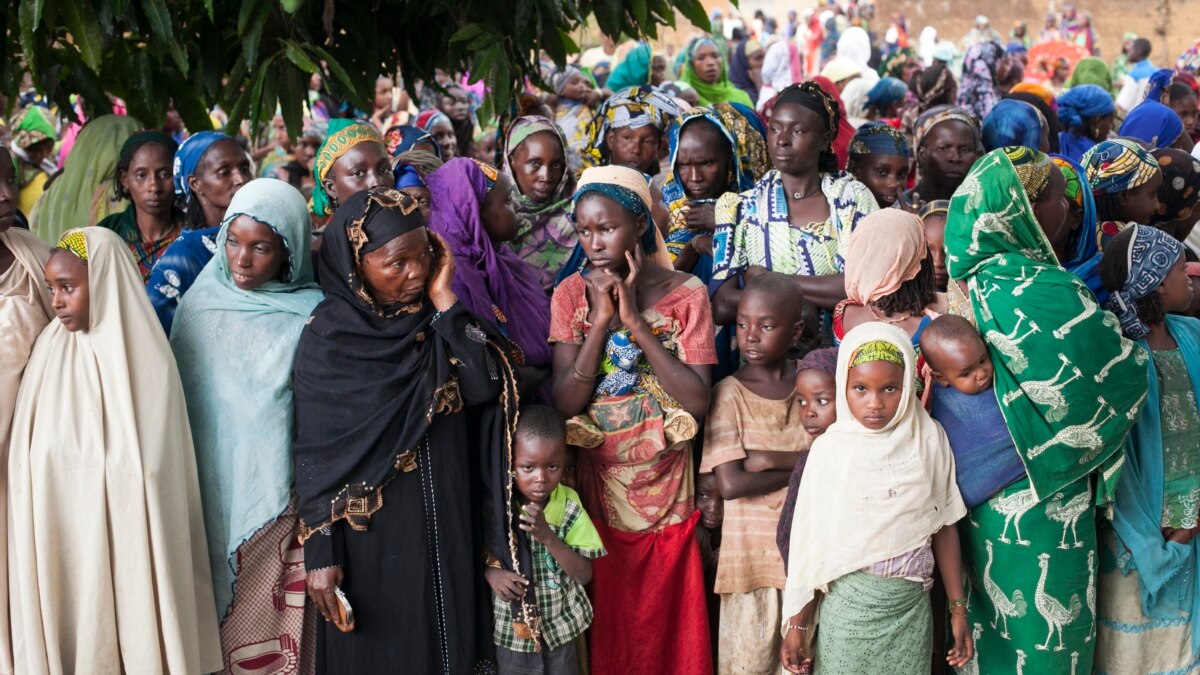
[734, 482]
[725, 302]
[576, 367]
[825, 291]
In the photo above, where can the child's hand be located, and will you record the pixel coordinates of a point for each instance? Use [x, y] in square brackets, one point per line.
[627, 308]
[601, 298]
[508, 586]
[792, 656]
[1180, 535]
[533, 521]
[964, 645]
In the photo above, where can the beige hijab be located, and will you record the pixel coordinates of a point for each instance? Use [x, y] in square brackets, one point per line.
[108, 560]
[868, 496]
[24, 311]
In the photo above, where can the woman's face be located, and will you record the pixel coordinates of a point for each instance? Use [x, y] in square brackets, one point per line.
[755, 59]
[658, 70]
[910, 68]
[607, 232]
[1062, 71]
[1141, 203]
[702, 160]
[796, 136]
[538, 164]
[306, 150]
[255, 253]
[363, 166]
[67, 279]
[706, 61]
[222, 171]
[885, 175]
[500, 220]
[397, 271]
[635, 148]
[1050, 211]
[873, 393]
[148, 181]
[456, 105]
[948, 152]
[1186, 109]
[8, 190]
[443, 133]
[421, 195]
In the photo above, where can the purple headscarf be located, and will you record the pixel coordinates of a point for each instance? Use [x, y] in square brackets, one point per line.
[489, 278]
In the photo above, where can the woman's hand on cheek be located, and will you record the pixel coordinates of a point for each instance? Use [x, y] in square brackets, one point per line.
[441, 274]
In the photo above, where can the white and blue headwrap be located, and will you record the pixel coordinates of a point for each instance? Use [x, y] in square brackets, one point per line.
[188, 156]
[1152, 253]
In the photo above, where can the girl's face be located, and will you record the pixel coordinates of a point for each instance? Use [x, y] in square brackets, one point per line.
[708, 502]
[795, 138]
[222, 171]
[1176, 289]
[538, 164]
[455, 105]
[884, 175]
[443, 133]
[816, 391]
[766, 329]
[1186, 109]
[702, 161]
[499, 218]
[148, 180]
[934, 226]
[1141, 203]
[255, 253]
[577, 88]
[397, 271]
[607, 232]
[363, 166]
[67, 279]
[873, 393]
[706, 61]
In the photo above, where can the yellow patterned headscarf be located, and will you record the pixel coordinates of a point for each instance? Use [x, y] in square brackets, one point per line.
[343, 135]
[75, 242]
[1033, 169]
[876, 350]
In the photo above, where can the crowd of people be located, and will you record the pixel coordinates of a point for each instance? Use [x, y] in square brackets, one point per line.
[800, 348]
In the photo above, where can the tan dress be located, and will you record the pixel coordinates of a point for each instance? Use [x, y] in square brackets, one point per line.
[108, 562]
[24, 312]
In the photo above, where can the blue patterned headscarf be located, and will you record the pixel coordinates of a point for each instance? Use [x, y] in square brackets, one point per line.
[188, 156]
[878, 138]
[1013, 122]
[1150, 257]
[886, 91]
[1153, 123]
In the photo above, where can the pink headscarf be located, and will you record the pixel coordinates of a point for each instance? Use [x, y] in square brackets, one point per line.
[886, 250]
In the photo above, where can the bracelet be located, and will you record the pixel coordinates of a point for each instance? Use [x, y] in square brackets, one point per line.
[795, 626]
[580, 376]
[955, 604]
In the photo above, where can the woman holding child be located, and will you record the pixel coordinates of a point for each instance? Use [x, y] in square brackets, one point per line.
[1068, 387]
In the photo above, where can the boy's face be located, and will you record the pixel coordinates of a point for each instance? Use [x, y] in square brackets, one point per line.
[708, 502]
[816, 392]
[540, 463]
[962, 364]
[766, 328]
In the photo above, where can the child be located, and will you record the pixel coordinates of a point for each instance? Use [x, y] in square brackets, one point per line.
[1155, 513]
[815, 389]
[712, 515]
[879, 158]
[751, 446]
[575, 105]
[564, 541]
[875, 510]
[1125, 180]
[933, 221]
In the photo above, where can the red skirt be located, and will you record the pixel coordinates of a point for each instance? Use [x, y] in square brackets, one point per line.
[648, 596]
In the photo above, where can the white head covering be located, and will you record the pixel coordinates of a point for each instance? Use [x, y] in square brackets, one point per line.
[927, 42]
[868, 496]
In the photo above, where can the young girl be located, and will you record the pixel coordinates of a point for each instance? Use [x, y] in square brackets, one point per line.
[1125, 180]
[102, 450]
[879, 158]
[1148, 601]
[875, 510]
[751, 445]
[933, 223]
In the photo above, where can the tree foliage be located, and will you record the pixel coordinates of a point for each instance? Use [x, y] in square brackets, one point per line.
[250, 55]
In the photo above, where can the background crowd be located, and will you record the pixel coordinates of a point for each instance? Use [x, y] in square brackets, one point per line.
[806, 346]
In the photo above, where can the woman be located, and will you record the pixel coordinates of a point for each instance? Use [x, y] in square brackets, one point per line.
[1043, 101]
[101, 448]
[886, 100]
[979, 91]
[456, 105]
[404, 138]
[1080, 255]
[901, 64]
[704, 69]
[82, 193]
[946, 141]
[803, 204]
[1056, 81]
[1015, 123]
[1065, 380]
[712, 152]
[1179, 193]
[234, 339]
[535, 162]
[628, 372]
[633, 70]
[209, 170]
[1157, 125]
[1086, 113]
[150, 223]
[352, 158]
[473, 214]
[33, 138]
[24, 311]
[1125, 181]
[745, 67]
[628, 129]
[438, 125]
[1091, 70]
[396, 386]
[935, 86]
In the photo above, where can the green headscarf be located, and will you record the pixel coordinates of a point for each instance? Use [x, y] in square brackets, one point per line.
[1091, 71]
[633, 70]
[1069, 385]
[32, 125]
[343, 135]
[235, 350]
[723, 91]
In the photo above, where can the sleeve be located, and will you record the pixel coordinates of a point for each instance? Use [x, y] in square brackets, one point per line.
[582, 536]
[783, 531]
[855, 202]
[728, 255]
[174, 274]
[697, 342]
[324, 549]
[564, 306]
[722, 429]
[478, 378]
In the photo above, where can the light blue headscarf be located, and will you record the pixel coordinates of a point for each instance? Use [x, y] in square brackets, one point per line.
[1167, 571]
[235, 350]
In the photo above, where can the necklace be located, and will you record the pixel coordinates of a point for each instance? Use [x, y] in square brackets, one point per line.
[884, 319]
[799, 196]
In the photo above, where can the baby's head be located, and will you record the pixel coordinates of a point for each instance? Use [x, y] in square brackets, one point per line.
[956, 354]
[875, 386]
[709, 502]
[816, 390]
[540, 453]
